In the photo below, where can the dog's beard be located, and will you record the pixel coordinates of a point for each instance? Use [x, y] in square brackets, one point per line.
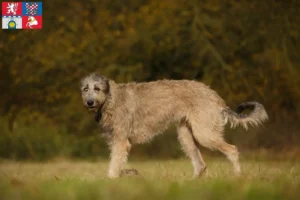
[97, 110]
[93, 109]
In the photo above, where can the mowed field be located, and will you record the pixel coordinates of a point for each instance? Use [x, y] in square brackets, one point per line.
[162, 179]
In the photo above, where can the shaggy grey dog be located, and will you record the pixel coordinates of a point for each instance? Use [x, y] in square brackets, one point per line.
[134, 113]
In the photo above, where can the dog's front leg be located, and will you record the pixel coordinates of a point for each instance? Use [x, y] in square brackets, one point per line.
[119, 154]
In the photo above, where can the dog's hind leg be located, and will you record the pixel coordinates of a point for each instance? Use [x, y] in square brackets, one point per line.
[212, 138]
[232, 154]
[189, 146]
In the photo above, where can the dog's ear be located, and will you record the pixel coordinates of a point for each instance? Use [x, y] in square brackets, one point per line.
[106, 84]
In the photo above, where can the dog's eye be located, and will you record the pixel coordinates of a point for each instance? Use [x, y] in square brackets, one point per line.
[85, 89]
[97, 89]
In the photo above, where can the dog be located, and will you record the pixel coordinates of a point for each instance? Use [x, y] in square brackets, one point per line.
[133, 113]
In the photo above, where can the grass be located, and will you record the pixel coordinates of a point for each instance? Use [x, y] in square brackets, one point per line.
[158, 180]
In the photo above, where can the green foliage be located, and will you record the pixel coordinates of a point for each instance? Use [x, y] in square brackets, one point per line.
[32, 142]
[43, 141]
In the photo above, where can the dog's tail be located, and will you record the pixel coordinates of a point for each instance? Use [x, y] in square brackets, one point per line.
[256, 117]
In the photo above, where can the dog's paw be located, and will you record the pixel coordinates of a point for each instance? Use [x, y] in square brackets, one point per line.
[113, 175]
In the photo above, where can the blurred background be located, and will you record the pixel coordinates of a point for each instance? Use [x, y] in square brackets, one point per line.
[245, 50]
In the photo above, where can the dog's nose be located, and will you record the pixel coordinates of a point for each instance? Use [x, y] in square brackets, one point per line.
[90, 102]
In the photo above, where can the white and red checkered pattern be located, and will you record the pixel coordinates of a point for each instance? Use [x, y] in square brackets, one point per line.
[31, 8]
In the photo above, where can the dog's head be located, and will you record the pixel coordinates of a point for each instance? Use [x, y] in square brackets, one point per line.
[95, 91]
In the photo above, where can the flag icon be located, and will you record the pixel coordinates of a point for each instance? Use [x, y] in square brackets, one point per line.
[11, 22]
[22, 15]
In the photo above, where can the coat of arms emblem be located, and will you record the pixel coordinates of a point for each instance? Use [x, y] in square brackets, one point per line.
[12, 8]
[32, 8]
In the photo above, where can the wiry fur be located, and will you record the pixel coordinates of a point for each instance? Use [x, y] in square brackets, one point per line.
[255, 118]
[135, 112]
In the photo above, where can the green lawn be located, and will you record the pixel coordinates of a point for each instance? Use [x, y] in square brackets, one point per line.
[158, 180]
